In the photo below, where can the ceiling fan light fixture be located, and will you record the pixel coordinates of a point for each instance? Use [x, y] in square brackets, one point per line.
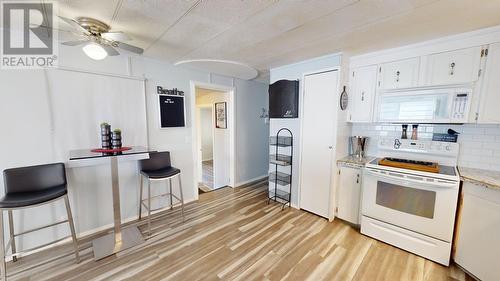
[95, 51]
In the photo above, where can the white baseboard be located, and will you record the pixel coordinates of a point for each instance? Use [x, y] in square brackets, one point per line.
[96, 230]
[251, 180]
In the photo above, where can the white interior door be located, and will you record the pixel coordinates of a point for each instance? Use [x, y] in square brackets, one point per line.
[318, 123]
[198, 143]
[221, 147]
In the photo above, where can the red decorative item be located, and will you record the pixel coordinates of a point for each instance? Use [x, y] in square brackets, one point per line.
[103, 150]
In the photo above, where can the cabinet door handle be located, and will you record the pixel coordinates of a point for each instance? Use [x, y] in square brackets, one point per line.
[362, 96]
[452, 68]
[357, 179]
[397, 75]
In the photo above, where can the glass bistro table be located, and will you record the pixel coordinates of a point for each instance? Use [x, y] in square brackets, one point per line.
[121, 238]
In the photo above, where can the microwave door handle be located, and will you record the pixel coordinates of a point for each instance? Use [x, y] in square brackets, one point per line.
[437, 106]
[404, 181]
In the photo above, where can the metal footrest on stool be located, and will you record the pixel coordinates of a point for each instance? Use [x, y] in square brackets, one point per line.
[147, 202]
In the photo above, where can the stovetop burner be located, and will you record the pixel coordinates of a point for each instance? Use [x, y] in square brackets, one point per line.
[408, 161]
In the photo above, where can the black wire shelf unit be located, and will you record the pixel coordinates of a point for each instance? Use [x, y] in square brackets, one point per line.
[283, 143]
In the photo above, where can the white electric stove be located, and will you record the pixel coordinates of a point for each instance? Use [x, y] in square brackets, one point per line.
[412, 206]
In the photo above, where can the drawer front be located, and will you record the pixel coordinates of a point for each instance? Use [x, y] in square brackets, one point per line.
[425, 246]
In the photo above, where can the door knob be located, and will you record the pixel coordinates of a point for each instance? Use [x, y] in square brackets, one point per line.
[330, 147]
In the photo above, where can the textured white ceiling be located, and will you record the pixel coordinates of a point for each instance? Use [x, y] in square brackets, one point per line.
[270, 33]
[223, 67]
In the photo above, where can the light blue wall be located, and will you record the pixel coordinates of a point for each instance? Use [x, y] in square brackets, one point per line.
[295, 71]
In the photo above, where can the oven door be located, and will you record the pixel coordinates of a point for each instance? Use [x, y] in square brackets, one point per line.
[421, 204]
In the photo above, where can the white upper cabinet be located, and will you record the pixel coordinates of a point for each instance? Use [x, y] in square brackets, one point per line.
[489, 105]
[363, 85]
[399, 74]
[454, 67]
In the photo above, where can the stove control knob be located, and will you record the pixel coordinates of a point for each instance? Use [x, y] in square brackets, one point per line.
[448, 148]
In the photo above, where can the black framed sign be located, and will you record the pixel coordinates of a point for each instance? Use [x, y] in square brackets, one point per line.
[172, 111]
[220, 115]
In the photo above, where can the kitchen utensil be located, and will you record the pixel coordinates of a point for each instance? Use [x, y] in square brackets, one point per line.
[358, 144]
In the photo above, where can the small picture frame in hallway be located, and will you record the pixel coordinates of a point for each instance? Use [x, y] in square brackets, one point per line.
[220, 115]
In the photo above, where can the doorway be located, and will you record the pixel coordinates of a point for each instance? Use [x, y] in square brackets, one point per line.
[213, 138]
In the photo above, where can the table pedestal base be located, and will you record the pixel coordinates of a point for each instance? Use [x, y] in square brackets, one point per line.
[106, 246]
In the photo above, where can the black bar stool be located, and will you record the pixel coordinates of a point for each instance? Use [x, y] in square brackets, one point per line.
[29, 187]
[158, 168]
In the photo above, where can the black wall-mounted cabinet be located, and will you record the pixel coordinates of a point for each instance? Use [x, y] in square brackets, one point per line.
[284, 99]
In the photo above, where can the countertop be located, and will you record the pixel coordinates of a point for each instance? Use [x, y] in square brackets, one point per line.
[355, 160]
[486, 178]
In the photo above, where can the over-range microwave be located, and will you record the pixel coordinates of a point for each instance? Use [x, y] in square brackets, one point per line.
[425, 105]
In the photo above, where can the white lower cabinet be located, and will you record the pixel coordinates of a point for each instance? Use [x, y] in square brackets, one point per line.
[478, 239]
[349, 193]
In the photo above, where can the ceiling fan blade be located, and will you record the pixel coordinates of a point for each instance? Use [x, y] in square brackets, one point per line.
[74, 24]
[110, 50]
[50, 28]
[115, 36]
[130, 48]
[75, 43]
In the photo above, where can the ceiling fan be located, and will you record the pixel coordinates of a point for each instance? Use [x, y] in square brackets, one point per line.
[98, 42]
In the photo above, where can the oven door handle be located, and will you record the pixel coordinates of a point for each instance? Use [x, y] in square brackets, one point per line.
[404, 180]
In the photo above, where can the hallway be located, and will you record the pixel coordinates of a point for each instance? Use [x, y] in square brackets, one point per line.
[207, 183]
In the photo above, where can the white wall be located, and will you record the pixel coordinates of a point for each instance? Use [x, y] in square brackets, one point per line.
[206, 134]
[26, 138]
[295, 72]
[46, 114]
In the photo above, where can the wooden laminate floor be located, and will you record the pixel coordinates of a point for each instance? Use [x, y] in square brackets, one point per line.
[208, 173]
[232, 234]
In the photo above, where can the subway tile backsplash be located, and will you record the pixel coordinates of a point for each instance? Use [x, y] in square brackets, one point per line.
[479, 144]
